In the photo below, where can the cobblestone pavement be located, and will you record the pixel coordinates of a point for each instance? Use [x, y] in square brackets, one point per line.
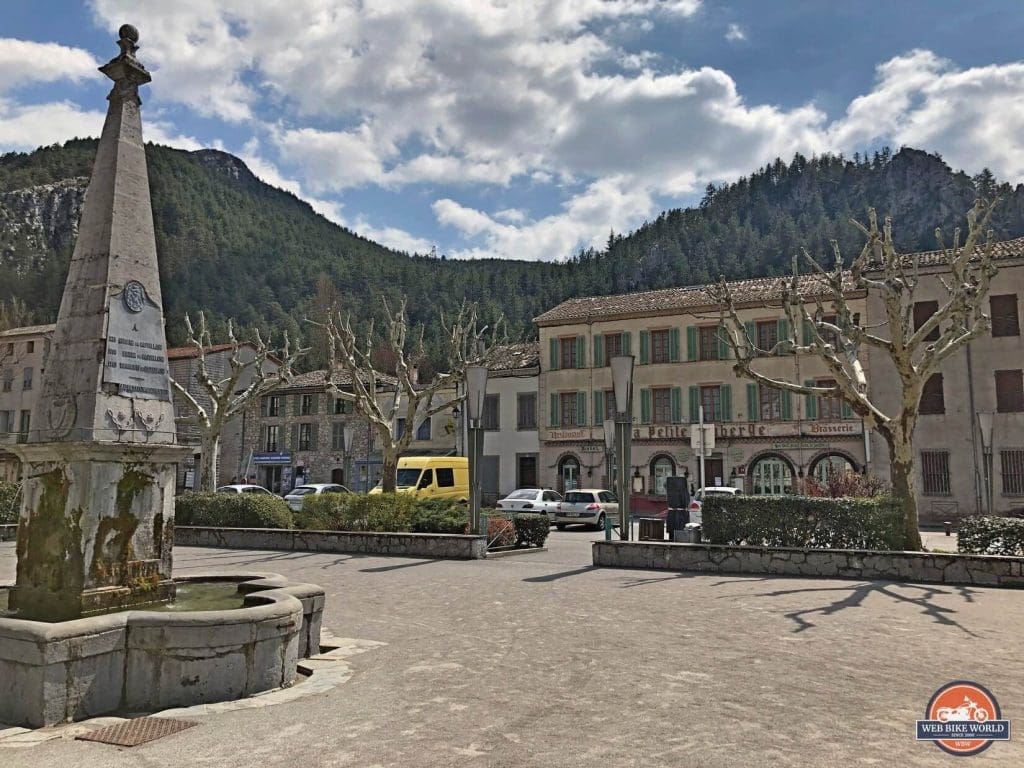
[543, 660]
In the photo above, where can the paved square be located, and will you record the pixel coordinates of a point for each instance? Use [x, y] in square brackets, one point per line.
[543, 660]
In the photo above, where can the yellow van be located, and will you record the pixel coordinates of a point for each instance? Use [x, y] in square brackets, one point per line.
[433, 477]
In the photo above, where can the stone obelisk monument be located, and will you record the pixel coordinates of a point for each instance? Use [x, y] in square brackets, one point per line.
[97, 523]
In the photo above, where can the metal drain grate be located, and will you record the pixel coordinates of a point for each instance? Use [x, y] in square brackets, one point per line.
[138, 731]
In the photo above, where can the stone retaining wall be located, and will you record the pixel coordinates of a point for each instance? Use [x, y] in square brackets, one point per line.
[926, 567]
[442, 546]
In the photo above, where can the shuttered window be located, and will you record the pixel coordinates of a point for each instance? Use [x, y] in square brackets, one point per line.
[567, 353]
[770, 403]
[935, 473]
[492, 407]
[932, 398]
[567, 409]
[1009, 391]
[660, 349]
[767, 336]
[1012, 461]
[662, 400]
[612, 347]
[923, 310]
[526, 410]
[1005, 321]
[709, 342]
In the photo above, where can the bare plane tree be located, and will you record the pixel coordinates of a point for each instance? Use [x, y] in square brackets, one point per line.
[219, 398]
[882, 271]
[466, 343]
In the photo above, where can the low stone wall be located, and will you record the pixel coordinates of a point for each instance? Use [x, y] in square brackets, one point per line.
[8, 532]
[442, 546]
[923, 567]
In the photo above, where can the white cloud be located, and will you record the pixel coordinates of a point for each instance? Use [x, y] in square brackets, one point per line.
[393, 237]
[26, 127]
[735, 33]
[23, 61]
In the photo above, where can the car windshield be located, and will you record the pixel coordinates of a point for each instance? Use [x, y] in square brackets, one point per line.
[303, 490]
[576, 497]
[407, 477]
[524, 494]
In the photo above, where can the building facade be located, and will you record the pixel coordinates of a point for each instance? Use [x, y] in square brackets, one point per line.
[23, 353]
[766, 439]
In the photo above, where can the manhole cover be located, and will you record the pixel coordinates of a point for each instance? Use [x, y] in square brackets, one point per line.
[138, 731]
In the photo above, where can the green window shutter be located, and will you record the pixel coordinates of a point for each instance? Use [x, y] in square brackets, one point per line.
[810, 402]
[314, 438]
[694, 405]
[627, 343]
[581, 409]
[847, 410]
[723, 343]
[787, 404]
[645, 406]
[598, 351]
[750, 328]
[296, 400]
[581, 351]
[553, 347]
[673, 345]
[753, 403]
[808, 333]
[784, 336]
[554, 410]
[677, 405]
[726, 403]
[598, 408]
[645, 346]
[692, 343]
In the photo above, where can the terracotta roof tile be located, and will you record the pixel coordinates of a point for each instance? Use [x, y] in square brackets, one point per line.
[185, 353]
[514, 357]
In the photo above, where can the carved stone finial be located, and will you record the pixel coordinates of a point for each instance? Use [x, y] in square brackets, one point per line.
[124, 69]
[129, 40]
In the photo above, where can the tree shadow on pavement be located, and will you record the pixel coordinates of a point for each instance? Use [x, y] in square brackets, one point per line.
[386, 568]
[856, 594]
[562, 575]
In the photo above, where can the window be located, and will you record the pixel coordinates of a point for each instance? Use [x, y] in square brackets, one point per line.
[305, 437]
[273, 405]
[662, 468]
[607, 497]
[526, 410]
[445, 477]
[26, 423]
[711, 399]
[567, 409]
[767, 336]
[708, 342]
[306, 405]
[923, 310]
[829, 408]
[426, 479]
[660, 346]
[770, 403]
[338, 436]
[612, 347]
[6, 417]
[1009, 391]
[832, 465]
[1012, 471]
[567, 352]
[492, 404]
[935, 473]
[26, 382]
[342, 406]
[1004, 315]
[773, 476]
[423, 432]
[661, 399]
[30, 347]
[271, 441]
[8, 380]
[609, 404]
[932, 400]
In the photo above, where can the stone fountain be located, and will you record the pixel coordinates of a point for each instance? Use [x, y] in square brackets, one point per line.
[95, 536]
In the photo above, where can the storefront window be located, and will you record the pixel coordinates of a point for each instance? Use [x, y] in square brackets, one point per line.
[569, 473]
[833, 464]
[773, 476]
[661, 469]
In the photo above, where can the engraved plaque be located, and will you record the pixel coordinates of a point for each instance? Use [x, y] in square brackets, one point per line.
[136, 357]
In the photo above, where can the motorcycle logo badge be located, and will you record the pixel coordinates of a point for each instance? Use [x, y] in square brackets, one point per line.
[963, 718]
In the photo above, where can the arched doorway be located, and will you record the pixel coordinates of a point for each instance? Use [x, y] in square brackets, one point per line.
[568, 473]
[831, 464]
[772, 475]
[662, 468]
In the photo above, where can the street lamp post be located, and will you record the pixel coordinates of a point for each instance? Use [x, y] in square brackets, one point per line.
[476, 391]
[609, 450]
[985, 427]
[622, 380]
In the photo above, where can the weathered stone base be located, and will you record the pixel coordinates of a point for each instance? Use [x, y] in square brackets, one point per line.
[145, 660]
[33, 603]
[918, 567]
[446, 546]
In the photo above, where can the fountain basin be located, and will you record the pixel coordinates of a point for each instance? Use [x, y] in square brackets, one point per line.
[148, 660]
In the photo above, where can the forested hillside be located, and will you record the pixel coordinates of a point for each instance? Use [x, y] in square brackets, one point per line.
[236, 247]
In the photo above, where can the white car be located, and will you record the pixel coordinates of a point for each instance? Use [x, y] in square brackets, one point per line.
[539, 500]
[297, 494]
[697, 502]
[589, 506]
[243, 488]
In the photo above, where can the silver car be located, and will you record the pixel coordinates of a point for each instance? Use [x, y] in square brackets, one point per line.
[589, 506]
[539, 500]
[296, 495]
[242, 488]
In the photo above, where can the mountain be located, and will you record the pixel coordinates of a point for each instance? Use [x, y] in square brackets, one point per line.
[236, 247]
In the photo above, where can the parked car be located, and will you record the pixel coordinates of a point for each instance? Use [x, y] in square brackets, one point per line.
[242, 488]
[697, 502]
[297, 494]
[540, 500]
[589, 506]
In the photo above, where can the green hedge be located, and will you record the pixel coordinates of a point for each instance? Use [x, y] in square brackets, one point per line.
[381, 512]
[531, 530]
[439, 516]
[232, 510]
[10, 502]
[991, 535]
[803, 521]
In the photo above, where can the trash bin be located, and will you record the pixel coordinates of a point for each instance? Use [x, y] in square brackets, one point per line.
[691, 534]
[652, 529]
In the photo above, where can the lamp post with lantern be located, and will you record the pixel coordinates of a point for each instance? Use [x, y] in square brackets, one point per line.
[622, 380]
[476, 391]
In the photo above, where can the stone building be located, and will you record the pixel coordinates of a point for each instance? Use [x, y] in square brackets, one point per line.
[23, 353]
[765, 439]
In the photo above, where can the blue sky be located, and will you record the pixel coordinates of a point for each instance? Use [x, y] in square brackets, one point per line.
[525, 129]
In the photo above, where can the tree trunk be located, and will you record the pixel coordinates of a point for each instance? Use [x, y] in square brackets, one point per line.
[901, 469]
[389, 475]
[210, 446]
